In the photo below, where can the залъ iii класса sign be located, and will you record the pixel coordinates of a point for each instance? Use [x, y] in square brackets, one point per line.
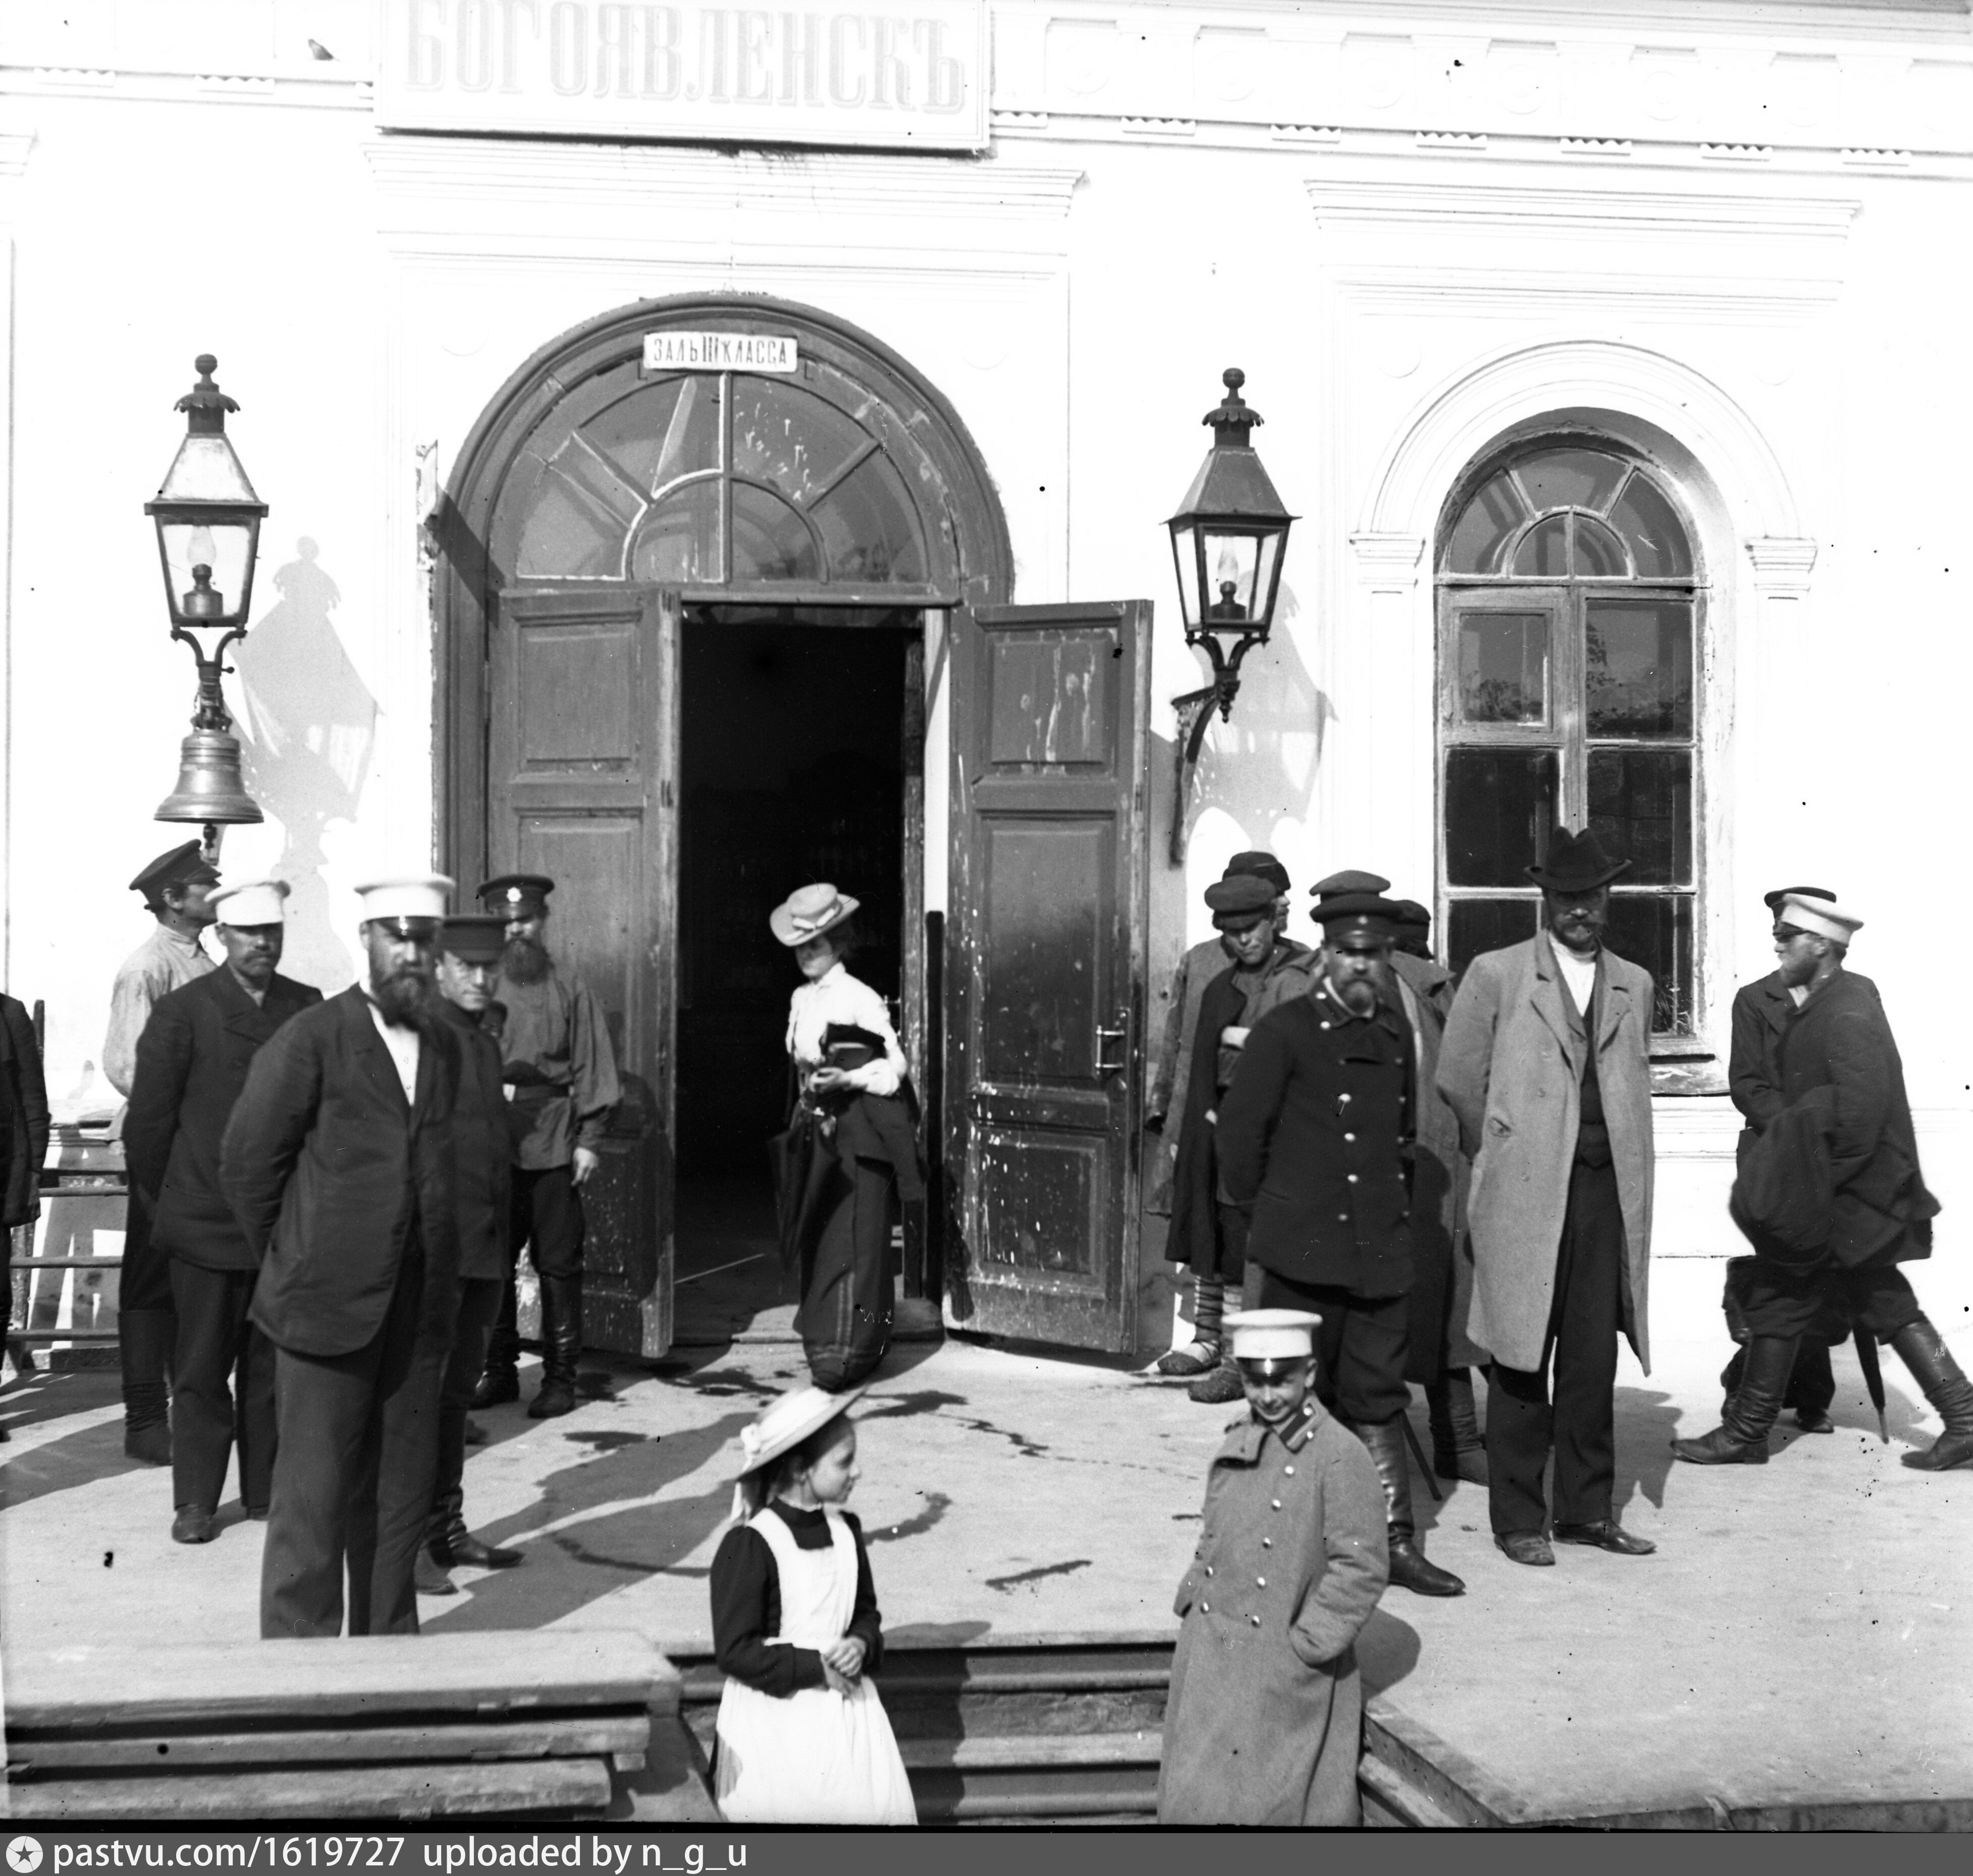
[912, 79]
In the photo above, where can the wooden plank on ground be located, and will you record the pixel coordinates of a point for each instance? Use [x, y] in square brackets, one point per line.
[591, 1736]
[215, 1684]
[555, 1785]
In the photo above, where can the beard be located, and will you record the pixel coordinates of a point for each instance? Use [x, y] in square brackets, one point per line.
[407, 997]
[525, 960]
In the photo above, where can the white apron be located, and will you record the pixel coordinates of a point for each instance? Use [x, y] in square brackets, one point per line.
[817, 1756]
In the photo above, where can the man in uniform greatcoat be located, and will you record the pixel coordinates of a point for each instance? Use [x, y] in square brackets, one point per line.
[1207, 1231]
[192, 1062]
[1545, 1059]
[1264, 1724]
[469, 961]
[1315, 1135]
[563, 1072]
[1198, 970]
[176, 888]
[1833, 1201]
[1762, 1013]
[338, 1163]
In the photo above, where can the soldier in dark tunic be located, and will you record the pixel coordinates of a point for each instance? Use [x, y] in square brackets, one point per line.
[469, 946]
[1845, 1123]
[1316, 1135]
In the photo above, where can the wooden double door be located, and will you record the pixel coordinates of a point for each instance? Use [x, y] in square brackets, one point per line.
[1033, 1005]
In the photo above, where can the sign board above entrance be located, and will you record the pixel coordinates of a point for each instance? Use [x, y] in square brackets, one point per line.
[915, 79]
[718, 351]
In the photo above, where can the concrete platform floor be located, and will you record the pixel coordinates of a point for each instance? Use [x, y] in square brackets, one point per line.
[1801, 1634]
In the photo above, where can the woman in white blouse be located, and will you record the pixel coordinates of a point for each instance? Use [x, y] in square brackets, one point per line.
[850, 1153]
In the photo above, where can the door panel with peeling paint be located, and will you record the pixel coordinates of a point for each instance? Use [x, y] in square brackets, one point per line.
[582, 763]
[1045, 937]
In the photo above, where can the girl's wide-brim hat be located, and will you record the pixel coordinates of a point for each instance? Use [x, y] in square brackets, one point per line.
[785, 1423]
[811, 913]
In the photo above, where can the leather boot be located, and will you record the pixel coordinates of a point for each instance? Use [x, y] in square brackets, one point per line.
[1409, 1569]
[145, 1339]
[561, 1343]
[500, 1379]
[1741, 1438]
[1457, 1450]
[460, 1546]
[1923, 1351]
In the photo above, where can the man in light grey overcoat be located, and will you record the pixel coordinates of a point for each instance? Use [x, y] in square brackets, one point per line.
[1546, 1060]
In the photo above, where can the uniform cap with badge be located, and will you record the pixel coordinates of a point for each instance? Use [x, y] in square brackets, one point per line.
[251, 902]
[474, 938]
[410, 905]
[516, 895]
[1356, 914]
[1822, 916]
[1272, 1335]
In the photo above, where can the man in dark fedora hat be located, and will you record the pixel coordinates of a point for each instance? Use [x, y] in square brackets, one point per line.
[1315, 1137]
[1546, 1060]
[1199, 971]
[562, 1072]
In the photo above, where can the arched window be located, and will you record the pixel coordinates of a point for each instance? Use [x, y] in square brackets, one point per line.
[1568, 692]
[715, 479]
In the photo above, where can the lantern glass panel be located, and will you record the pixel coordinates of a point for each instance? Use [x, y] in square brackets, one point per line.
[1184, 558]
[1230, 567]
[1266, 572]
[226, 547]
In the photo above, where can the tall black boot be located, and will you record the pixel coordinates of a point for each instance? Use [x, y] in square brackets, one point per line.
[146, 1338]
[1457, 1450]
[500, 1379]
[1409, 1568]
[1741, 1438]
[1923, 1351]
[561, 1343]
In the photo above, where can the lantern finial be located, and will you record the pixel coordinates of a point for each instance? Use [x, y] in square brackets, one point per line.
[205, 405]
[1234, 418]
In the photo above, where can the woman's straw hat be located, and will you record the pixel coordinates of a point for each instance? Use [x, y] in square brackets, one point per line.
[809, 912]
[785, 1423]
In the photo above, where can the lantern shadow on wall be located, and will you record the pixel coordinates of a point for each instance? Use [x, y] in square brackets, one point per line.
[310, 725]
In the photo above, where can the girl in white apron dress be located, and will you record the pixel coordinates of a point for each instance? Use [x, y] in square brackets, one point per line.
[802, 1737]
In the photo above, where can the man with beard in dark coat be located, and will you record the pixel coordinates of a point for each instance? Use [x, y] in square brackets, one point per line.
[339, 1164]
[193, 1058]
[1316, 1136]
[1841, 1076]
[563, 1073]
[468, 959]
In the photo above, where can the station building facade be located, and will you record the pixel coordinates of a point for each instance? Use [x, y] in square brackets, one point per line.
[707, 448]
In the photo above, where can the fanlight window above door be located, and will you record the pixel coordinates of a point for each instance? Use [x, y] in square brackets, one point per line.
[1570, 513]
[723, 479]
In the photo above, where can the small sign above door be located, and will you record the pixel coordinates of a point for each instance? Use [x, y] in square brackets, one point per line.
[719, 352]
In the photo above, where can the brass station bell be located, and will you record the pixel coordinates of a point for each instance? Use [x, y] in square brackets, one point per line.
[210, 789]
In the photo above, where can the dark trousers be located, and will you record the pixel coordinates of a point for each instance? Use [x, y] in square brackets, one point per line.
[144, 1282]
[1580, 1428]
[216, 1343]
[1359, 1349]
[353, 1476]
[1876, 1298]
[545, 1214]
[479, 1306]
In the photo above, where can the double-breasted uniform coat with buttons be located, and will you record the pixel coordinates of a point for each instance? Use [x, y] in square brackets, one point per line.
[1264, 1721]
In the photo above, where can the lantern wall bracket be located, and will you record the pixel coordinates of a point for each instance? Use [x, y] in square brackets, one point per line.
[1193, 712]
[210, 712]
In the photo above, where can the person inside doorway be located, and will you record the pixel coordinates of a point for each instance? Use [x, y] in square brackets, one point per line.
[850, 1153]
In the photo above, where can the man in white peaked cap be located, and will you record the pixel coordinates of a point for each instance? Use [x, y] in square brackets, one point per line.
[1842, 1102]
[338, 1161]
[1264, 1721]
[193, 1058]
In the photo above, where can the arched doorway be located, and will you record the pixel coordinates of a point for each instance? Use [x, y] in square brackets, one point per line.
[681, 617]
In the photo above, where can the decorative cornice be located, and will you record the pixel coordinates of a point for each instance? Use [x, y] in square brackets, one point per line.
[1524, 211]
[1388, 559]
[1782, 563]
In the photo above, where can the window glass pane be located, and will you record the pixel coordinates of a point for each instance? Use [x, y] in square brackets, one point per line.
[870, 529]
[663, 432]
[1599, 555]
[1544, 552]
[1657, 933]
[1570, 479]
[1637, 667]
[1640, 808]
[790, 438]
[555, 531]
[1499, 805]
[1490, 517]
[1485, 925]
[680, 542]
[1649, 522]
[1503, 667]
[769, 540]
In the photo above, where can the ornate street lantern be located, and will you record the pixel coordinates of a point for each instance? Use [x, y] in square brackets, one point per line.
[1229, 539]
[208, 522]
